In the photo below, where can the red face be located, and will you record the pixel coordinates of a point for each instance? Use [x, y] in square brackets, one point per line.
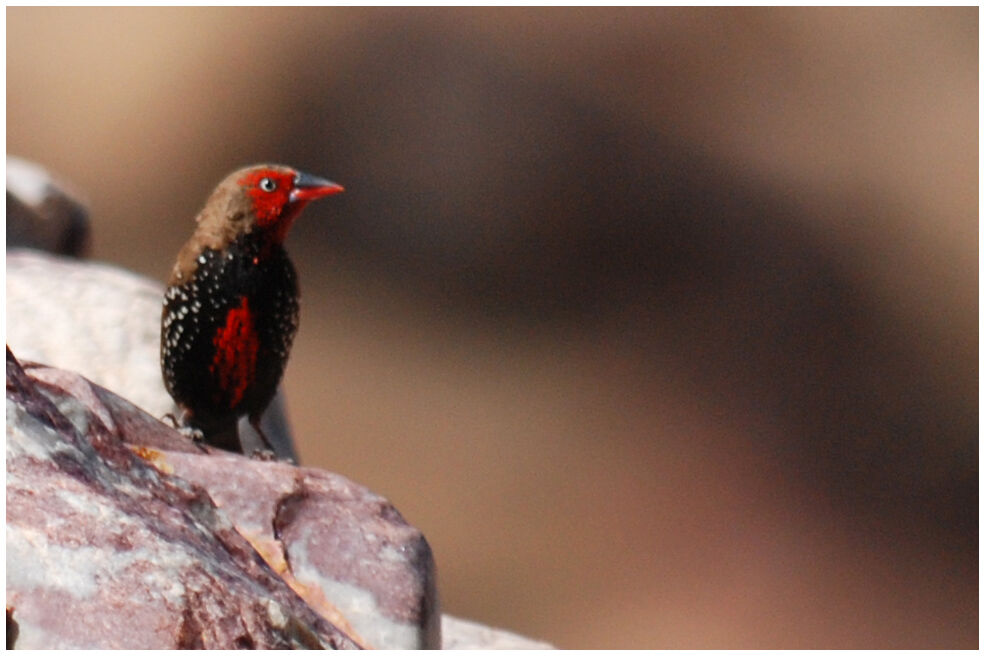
[278, 195]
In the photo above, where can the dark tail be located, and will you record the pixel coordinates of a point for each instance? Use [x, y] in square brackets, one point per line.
[224, 436]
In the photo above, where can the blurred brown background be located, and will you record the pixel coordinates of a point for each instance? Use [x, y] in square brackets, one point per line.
[661, 323]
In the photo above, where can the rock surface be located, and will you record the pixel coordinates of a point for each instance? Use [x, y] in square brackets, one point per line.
[341, 544]
[344, 550]
[106, 551]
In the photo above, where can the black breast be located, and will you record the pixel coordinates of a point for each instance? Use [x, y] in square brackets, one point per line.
[247, 277]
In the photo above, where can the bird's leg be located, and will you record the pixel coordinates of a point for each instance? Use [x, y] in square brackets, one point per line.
[196, 436]
[266, 454]
[180, 424]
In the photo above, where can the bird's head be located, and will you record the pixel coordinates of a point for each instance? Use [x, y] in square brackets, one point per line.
[276, 194]
[263, 200]
[266, 197]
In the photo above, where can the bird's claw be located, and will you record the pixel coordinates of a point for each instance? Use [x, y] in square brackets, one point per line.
[263, 455]
[193, 434]
[269, 455]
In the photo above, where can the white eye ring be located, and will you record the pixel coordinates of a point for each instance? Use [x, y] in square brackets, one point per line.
[267, 184]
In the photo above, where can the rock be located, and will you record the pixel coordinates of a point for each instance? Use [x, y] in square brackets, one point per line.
[344, 550]
[43, 213]
[104, 323]
[341, 543]
[461, 634]
[106, 551]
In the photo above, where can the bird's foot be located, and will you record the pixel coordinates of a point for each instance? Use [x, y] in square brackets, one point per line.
[263, 455]
[269, 455]
[180, 424]
[196, 436]
[190, 432]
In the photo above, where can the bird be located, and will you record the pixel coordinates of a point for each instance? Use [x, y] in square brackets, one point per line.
[231, 303]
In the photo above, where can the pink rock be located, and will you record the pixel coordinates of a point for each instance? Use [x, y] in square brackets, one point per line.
[342, 543]
[106, 551]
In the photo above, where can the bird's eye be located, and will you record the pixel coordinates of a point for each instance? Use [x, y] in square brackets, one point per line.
[267, 184]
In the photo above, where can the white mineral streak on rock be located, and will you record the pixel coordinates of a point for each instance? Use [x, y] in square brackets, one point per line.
[358, 605]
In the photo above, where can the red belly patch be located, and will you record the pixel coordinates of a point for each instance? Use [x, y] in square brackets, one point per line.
[234, 360]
